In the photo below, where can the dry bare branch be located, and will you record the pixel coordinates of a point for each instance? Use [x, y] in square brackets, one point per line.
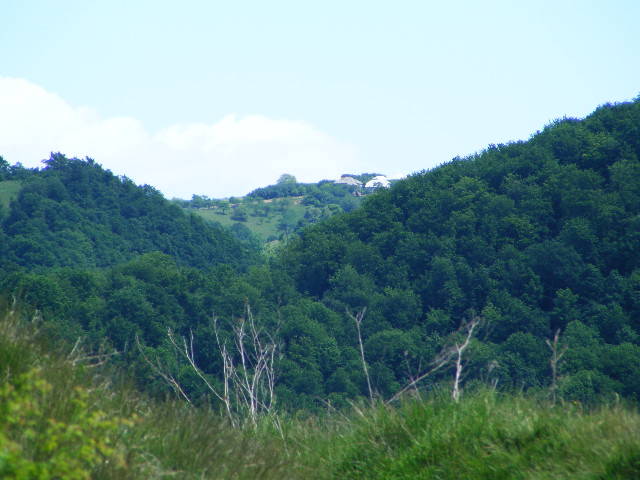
[444, 358]
[556, 356]
[248, 368]
[162, 372]
[358, 321]
[459, 349]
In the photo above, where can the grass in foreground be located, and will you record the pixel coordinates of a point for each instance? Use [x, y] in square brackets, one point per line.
[491, 436]
[59, 418]
[62, 418]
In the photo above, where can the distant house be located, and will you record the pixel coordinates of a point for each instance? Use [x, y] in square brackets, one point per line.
[349, 180]
[379, 181]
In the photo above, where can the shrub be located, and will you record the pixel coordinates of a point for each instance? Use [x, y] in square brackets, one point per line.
[34, 445]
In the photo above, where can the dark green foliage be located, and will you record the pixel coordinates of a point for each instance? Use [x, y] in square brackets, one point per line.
[537, 236]
[322, 195]
[534, 237]
[74, 213]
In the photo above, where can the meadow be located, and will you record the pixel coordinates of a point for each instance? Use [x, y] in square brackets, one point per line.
[8, 190]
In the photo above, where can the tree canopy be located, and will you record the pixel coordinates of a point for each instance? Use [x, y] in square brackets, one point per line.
[532, 237]
[74, 213]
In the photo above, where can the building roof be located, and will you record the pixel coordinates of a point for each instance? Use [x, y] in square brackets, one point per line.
[379, 181]
[347, 180]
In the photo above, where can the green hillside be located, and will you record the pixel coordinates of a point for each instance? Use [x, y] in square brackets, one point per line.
[533, 237]
[74, 213]
[10, 184]
[8, 191]
[276, 212]
[525, 242]
[268, 220]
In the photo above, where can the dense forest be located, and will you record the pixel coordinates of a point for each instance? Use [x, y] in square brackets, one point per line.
[74, 213]
[522, 241]
[533, 236]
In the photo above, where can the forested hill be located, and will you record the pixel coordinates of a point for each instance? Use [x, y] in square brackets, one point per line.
[74, 213]
[533, 236]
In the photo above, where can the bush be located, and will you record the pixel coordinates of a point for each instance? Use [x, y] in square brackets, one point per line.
[35, 445]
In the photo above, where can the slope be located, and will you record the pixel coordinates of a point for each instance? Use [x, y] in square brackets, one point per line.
[74, 213]
[277, 211]
[534, 237]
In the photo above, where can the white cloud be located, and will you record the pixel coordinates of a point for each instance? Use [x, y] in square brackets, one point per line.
[228, 157]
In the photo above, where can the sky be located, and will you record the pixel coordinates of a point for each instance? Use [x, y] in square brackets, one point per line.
[218, 98]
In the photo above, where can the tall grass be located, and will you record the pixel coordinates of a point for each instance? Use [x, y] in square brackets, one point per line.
[491, 436]
[103, 429]
[144, 438]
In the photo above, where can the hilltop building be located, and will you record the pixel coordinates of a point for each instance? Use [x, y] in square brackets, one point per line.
[379, 181]
[349, 180]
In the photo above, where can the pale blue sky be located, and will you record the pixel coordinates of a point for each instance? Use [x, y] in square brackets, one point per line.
[393, 87]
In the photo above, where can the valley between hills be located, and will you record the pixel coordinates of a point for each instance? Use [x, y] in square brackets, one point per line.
[477, 320]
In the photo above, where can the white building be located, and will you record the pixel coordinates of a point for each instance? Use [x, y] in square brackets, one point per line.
[379, 181]
[348, 180]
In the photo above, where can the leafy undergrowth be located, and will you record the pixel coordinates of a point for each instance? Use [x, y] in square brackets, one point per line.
[62, 418]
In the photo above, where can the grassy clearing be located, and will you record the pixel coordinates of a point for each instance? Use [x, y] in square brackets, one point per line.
[62, 418]
[264, 227]
[8, 190]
